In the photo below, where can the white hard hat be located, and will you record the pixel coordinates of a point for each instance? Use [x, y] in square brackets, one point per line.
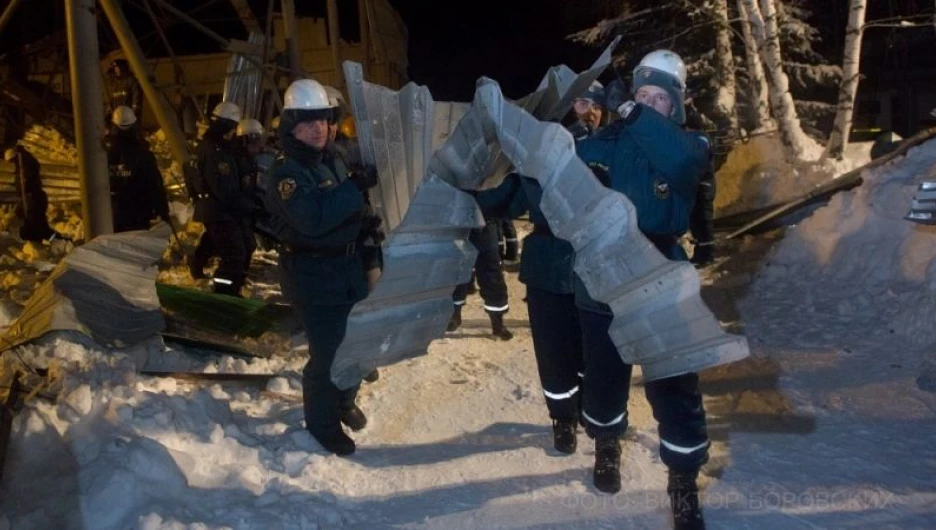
[9, 154]
[123, 116]
[228, 111]
[335, 98]
[249, 126]
[664, 69]
[306, 94]
[664, 61]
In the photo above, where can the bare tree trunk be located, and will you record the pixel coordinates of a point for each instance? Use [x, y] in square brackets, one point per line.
[764, 26]
[758, 90]
[725, 71]
[849, 87]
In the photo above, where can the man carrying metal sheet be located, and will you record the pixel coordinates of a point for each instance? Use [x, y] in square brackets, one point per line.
[341, 132]
[588, 112]
[546, 270]
[136, 185]
[316, 207]
[650, 158]
[701, 220]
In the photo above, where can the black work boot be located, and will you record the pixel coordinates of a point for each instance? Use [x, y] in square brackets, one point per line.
[497, 326]
[335, 441]
[564, 437]
[511, 251]
[703, 255]
[684, 499]
[354, 418]
[455, 321]
[607, 473]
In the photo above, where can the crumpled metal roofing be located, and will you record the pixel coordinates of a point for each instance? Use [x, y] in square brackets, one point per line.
[105, 289]
[660, 320]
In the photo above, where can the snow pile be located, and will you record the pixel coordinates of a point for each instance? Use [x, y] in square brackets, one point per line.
[116, 448]
[757, 174]
[858, 261]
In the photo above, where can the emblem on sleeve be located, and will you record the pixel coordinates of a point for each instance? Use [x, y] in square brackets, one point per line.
[224, 168]
[286, 187]
[661, 189]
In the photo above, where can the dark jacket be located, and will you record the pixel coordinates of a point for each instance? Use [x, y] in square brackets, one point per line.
[315, 212]
[136, 185]
[219, 182]
[33, 201]
[546, 261]
[657, 165]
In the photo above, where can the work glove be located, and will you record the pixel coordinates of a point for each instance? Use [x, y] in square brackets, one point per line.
[364, 178]
[625, 109]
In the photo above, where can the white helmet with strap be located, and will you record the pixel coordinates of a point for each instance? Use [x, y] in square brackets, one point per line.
[306, 94]
[664, 61]
[123, 116]
[665, 69]
[249, 127]
[227, 111]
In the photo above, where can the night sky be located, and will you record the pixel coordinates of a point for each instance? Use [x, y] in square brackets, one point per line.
[454, 43]
[511, 41]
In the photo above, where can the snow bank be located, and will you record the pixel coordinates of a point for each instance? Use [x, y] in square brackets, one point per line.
[133, 445]
[857, 259]
[757, 174]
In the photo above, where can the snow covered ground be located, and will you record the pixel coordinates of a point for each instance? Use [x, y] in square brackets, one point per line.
[824, 427]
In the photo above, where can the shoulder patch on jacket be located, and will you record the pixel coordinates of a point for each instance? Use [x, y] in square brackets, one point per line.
[224, 168]
[286, 188]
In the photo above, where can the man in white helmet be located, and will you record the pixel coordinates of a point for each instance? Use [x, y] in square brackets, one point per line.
[221, 204]
[315, 207]
[136, 185]
[649, 157]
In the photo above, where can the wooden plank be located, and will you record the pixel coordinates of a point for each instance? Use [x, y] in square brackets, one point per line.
[226, 348]
[256, 380]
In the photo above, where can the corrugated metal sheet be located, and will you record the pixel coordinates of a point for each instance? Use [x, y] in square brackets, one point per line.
[426, 253]
[105, 289]
[660, 320]
[243, 83]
